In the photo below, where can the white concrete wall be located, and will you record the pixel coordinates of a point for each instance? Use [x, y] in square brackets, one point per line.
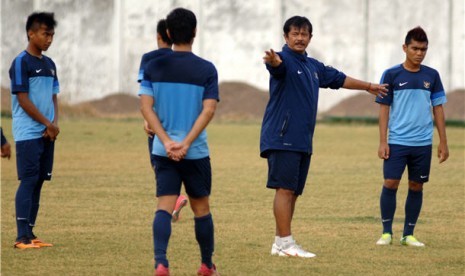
[98, 43]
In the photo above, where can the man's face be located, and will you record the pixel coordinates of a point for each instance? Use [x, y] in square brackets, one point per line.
[298, 39]
[415, 52]
[41, 38]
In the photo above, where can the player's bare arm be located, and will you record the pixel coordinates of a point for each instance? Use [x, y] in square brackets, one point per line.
[439, 118]
[51, 130]
[379, 90]
[148, 130]
[271, 58]
[208, 111]
[383, 150]
[154, 123]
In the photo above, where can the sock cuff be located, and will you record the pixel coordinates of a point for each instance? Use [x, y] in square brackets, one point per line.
[206, 217]
[389, 191]
[415, 193]
[159, 212]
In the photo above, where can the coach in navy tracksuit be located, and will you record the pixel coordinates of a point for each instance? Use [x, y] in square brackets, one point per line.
[289, 123]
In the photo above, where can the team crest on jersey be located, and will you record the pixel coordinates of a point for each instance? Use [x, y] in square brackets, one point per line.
[52, 71]
[426, 84]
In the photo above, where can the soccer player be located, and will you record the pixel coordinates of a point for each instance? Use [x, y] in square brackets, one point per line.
[179, 94]
[164, 44]
[6, 148]
[289, 123]
[34, 88]
[406, 111]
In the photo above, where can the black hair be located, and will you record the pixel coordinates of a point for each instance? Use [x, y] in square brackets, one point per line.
[298, 22]
[161, 30]
[36, 19]
[46, 18]
[417, 34]
[181, 25]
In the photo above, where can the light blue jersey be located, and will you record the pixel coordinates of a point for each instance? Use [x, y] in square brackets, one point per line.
[179, 83]
[37, 77]
[411, 96]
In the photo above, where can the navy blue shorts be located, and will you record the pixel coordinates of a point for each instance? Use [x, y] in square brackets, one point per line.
[195, 174]
[417, 160]
[35, 158]
[288, 170]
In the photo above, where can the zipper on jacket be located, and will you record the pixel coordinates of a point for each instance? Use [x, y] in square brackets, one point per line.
[284, 126]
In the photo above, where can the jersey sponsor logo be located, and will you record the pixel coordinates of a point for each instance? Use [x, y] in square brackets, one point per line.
[38, 71]
[411, 224]
[426, 84]
[49, 174]
[299, 72]
[385, 220]
[423, 176]
[403, 83]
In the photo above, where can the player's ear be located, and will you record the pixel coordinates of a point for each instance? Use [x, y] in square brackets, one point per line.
[30, 33]
[168, 33]
[404, 47]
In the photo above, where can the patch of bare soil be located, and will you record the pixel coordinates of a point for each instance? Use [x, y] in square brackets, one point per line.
[240, 101]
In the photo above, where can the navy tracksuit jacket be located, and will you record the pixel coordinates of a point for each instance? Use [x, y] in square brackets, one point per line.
[290, 116]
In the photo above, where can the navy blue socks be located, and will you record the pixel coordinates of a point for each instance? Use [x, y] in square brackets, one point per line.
[412, 210]
[388, 208]
[34, 208]
[161, 236]
[204, 233]
[23, 205]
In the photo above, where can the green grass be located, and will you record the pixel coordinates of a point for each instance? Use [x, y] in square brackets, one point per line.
[98, 209]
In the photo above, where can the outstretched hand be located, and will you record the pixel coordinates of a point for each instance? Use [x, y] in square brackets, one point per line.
[379, 90]
[272, 59]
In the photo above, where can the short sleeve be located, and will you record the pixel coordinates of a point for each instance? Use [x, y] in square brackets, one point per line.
[56, 83]
[438, 95]
[211, 87]
[19, 75]
[140, 75]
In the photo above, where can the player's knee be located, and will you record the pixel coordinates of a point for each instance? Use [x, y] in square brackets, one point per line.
[415, 186]
[200, 207]
[392, 184]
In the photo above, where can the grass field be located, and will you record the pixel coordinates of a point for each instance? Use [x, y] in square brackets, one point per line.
[98, 209]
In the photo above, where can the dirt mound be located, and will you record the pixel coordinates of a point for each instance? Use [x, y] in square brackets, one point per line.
[455, 106]
[115, 104]
[240, 101]
[364, 106]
